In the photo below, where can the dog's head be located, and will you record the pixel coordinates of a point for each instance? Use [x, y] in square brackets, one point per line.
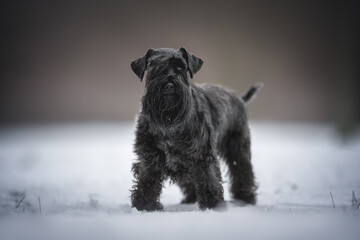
[167, 95]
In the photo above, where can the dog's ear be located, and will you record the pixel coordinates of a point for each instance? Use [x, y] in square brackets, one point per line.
[139, 65]
[194, 63]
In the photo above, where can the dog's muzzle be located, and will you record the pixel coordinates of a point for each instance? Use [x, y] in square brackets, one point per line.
[169, 88]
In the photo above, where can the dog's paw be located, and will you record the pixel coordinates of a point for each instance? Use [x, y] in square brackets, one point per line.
[150, 207]
[188, 200]
[211, 204]
[245, 197]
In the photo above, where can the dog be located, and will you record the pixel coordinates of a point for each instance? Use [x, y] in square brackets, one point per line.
[183, 129]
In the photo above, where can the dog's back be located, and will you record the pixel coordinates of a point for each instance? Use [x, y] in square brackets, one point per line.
[224, 105]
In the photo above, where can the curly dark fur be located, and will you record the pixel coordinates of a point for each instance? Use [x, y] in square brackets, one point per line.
[182, 130]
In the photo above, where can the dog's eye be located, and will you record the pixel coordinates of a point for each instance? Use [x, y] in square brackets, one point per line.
[179, 68]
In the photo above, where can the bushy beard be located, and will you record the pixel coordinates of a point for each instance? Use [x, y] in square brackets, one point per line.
[166, 108]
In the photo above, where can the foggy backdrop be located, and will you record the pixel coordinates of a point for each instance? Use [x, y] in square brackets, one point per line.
[67, 61]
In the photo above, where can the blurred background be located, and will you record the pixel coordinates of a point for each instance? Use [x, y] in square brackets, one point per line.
[68, 101]
[69, 61]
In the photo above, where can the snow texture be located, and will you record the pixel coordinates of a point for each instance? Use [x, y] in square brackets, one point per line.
[73, 181]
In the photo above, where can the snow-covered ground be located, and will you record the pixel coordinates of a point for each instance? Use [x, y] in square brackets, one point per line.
[79, 176]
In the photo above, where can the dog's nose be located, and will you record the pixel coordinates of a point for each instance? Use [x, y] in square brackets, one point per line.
[169, 86]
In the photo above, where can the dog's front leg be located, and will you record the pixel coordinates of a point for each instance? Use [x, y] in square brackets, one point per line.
[208, 183]
[148, 184]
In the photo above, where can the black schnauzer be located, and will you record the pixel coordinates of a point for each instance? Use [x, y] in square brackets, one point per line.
[182, 130]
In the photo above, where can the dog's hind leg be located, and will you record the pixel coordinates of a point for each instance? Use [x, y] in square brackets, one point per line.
[189, 192]
[235, 149]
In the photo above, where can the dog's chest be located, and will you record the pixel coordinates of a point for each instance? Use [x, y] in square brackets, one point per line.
[174, 153]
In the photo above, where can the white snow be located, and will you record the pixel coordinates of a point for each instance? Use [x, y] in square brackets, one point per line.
[81, 174]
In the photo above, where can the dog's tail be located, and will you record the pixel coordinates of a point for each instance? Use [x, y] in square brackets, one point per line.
[250, 94]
